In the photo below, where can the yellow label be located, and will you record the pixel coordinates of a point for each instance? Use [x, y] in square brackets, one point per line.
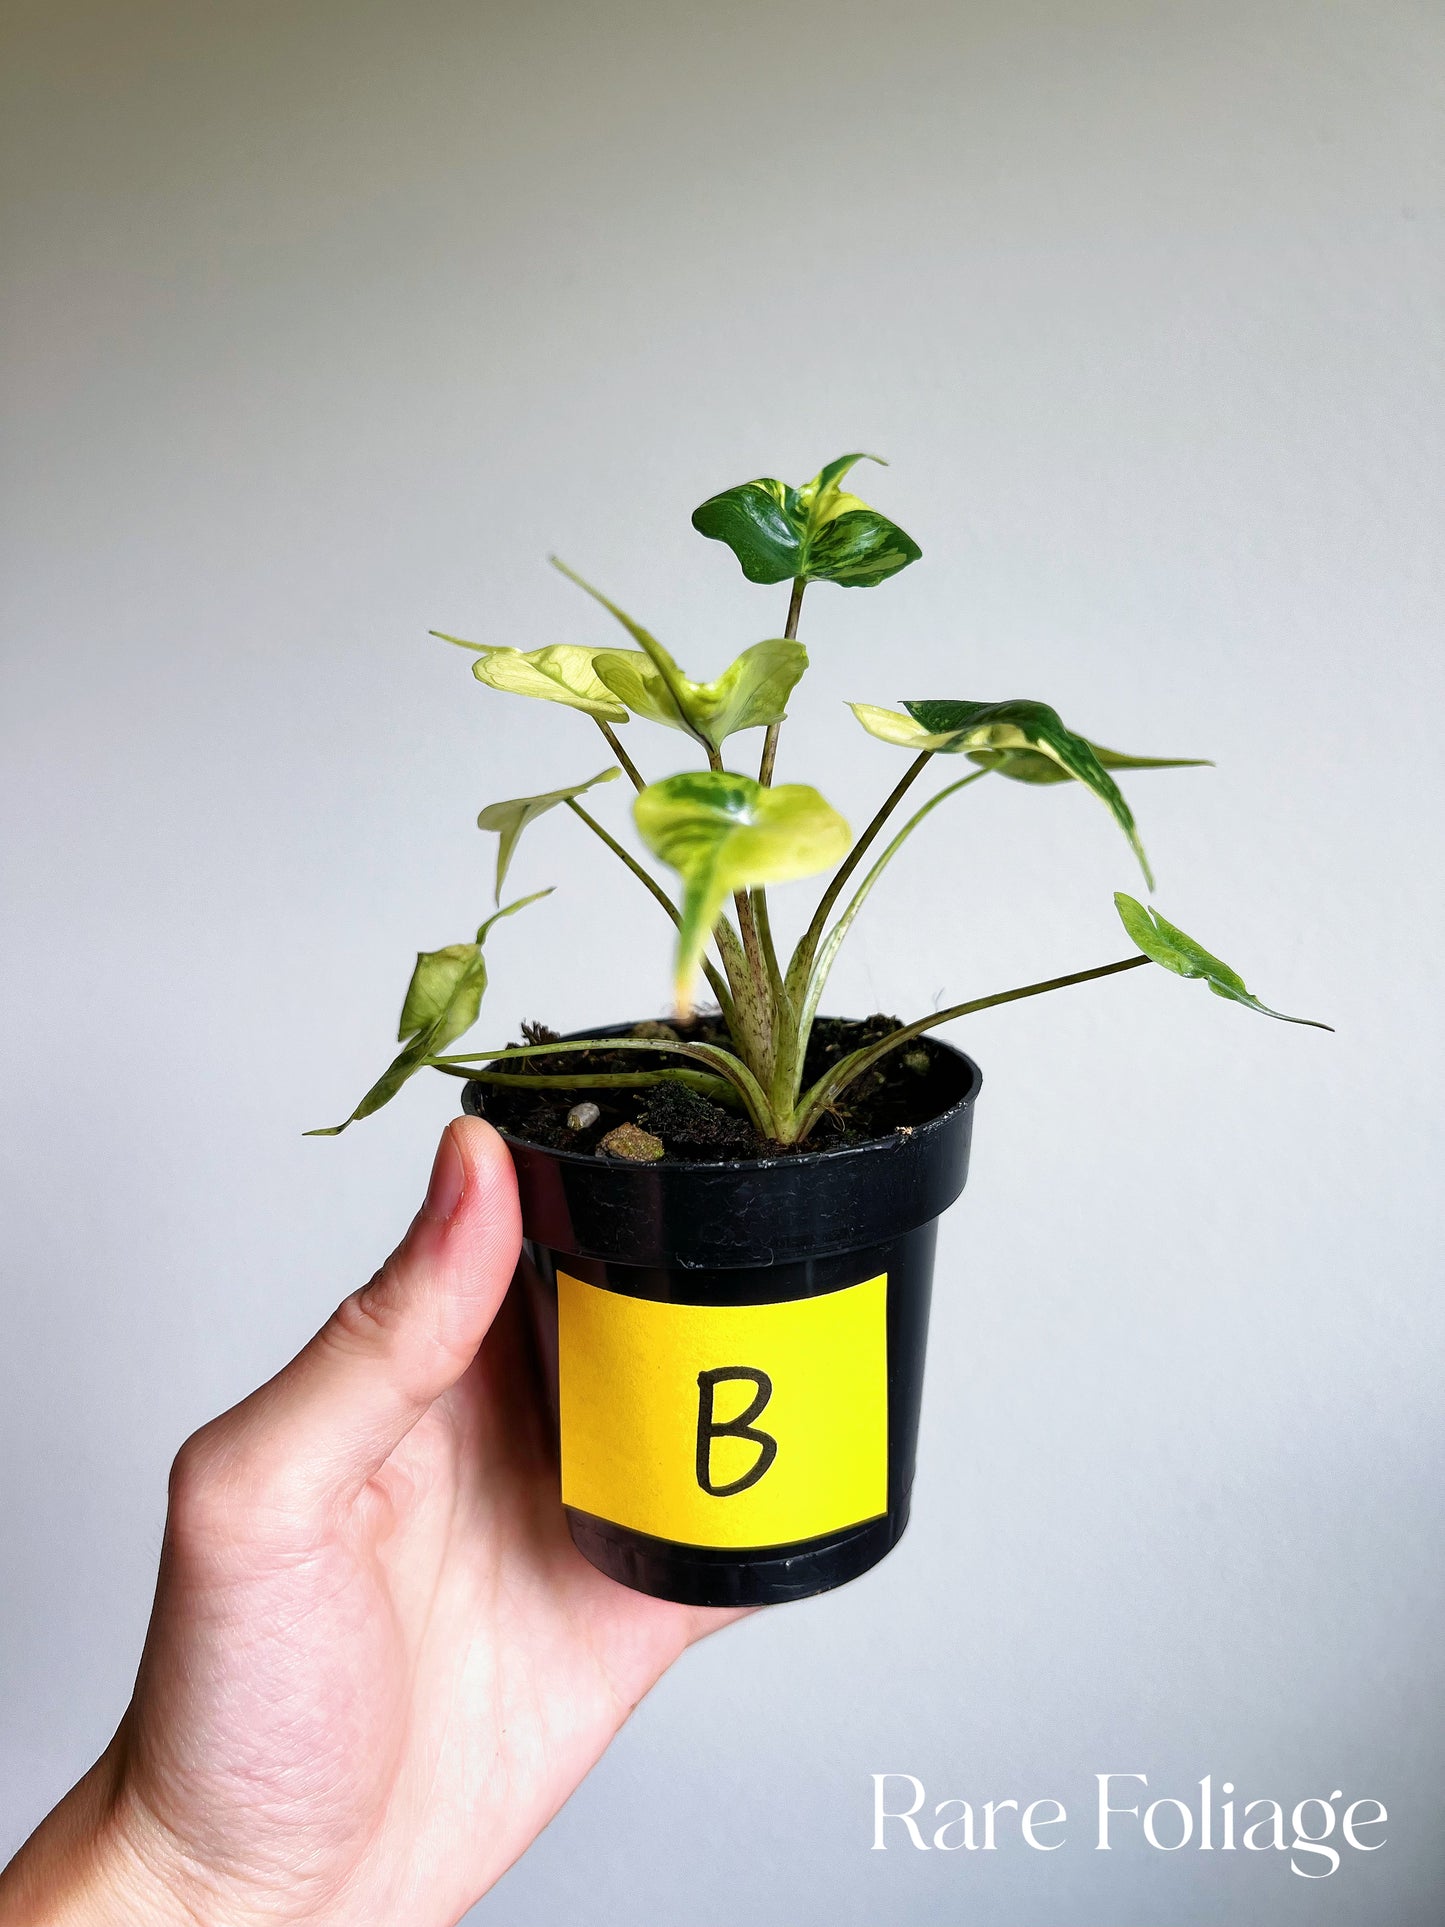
[725, 1425]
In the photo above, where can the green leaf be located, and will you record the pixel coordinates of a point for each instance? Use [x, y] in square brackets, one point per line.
[723, 833]
[442, 981]
[816, 533]
[509, 819]
[750, 693]
[1164, 943]
[442, 1002]
[561, 673]
[954, 728]
[1032, 766]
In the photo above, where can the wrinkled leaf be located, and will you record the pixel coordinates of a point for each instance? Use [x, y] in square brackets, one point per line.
[723, 833]
[442, 982]
[441, 1004]
[561, 673]
[954, 728]
[509, 819]
[1164, 943]
[750, 693]
[816, 533]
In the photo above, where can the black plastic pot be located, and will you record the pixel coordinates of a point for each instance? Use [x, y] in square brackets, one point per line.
[735, 1350]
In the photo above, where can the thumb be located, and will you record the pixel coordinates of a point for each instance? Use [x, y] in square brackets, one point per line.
[332, 1417]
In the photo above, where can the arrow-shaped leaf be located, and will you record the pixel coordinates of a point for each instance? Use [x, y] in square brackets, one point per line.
[1032, 766]
[1164, 943]
[816, 533]
[954, 728]
[509, 819]
[751, 693]
[442, 1002]
[561, 673]
[723, 833]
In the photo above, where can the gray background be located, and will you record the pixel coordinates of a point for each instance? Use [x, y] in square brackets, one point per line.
[325, 323]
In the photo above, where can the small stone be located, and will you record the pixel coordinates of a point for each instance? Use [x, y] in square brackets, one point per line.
[651, 1027]
[630, 1141]
[916, 1061]
[582, 1117]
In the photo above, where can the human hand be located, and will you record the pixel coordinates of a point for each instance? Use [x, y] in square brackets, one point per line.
[376, 1664]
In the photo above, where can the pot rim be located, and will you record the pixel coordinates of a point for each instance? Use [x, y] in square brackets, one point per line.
[899, 1136]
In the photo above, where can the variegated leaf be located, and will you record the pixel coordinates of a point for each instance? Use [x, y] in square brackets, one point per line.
[816, 533]
[958, 728]
[751, 693]
[560, 673]
[723, 833]
[1033, 766]
[509, 819]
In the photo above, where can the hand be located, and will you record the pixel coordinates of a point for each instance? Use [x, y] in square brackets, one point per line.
[376, 1665]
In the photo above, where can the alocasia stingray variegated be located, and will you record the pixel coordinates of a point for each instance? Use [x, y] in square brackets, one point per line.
[728, 835]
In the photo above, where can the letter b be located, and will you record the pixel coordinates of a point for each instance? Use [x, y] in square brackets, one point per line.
[741, 1427]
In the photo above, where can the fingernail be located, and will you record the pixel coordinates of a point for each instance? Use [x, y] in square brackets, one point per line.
[448, 1181]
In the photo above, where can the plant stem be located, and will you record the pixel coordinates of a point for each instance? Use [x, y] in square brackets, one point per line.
[834, 1082]
[790, 634]
[802, 961]
[757, 1012]
[832, 943]
[715, 982]
[717, 1088]
[723, 1062]
[620, 753]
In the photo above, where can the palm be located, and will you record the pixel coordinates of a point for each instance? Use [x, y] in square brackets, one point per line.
[372, 1717]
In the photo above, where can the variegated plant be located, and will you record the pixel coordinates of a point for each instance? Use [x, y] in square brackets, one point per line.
[727, 835]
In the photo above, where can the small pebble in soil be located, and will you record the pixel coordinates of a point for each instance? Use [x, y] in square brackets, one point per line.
[582, 1117]
[917, 1061]
[630, 1141]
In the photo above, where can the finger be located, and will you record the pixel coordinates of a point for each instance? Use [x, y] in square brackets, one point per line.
[331, 1419]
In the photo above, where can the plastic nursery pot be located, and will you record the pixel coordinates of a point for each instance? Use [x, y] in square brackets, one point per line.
[734, 1351]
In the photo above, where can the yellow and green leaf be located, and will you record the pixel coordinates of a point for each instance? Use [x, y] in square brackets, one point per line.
[509, 819]
[980, 730]
[1164, 943]
[722, 833]
[560, 673]
[751, 693]
[816, 533]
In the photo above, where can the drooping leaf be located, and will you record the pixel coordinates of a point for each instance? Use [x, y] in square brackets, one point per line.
[1168, 945]
[509, 819]
[723, 833]
[751, 692]
[954, 728]
[816, 533]
[441, 1004]
[435, 983]
[561, 673]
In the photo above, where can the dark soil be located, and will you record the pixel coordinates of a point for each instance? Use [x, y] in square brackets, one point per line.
[899, 1093]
